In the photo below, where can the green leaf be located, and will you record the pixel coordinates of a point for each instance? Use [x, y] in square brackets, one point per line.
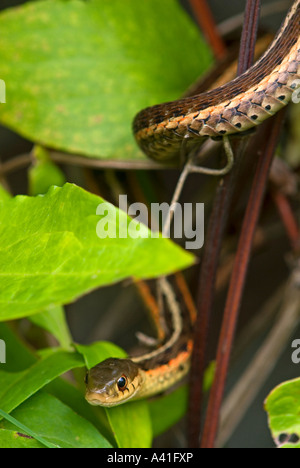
[168, 410]
[18, 356]
[54, 321]
[51, 253]
[209, 376]
[82, 70]
[131, 424]
[17, 387]
[74, 399]
[26, 430]
[283, 407]
[43, 173]
[98, 352]
[4, 195]
[15, 439]
[56, 423]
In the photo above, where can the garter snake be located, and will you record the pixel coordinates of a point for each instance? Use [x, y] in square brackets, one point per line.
[160, 130]
[235, 107]
[115, 381]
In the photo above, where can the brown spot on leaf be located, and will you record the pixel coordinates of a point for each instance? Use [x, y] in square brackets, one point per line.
[24, 435]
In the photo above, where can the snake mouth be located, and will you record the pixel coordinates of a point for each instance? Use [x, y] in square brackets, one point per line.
[100, 399]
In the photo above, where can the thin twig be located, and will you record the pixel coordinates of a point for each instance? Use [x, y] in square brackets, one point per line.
[178, 190]
[24, 160]
[190, 168]
[138, 164]
[288, 219]
[16, 163]
[217, 172]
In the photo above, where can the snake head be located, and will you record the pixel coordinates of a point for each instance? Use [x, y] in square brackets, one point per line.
[112, 382]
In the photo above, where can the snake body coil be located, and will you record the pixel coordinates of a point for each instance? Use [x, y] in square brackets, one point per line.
[235, 107]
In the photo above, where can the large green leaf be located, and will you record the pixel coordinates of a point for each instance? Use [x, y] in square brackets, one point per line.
[78, 71]
[18, 356]
[98, 352]
[131, 424]
[51, 254]
[19, 386]
[15, 439]
[283, 407]
[172, 406]
[53, 320]
[25, 430]
[52, 420]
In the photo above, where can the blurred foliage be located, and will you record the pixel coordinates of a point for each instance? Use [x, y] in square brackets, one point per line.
[76, 73]
[283, 407]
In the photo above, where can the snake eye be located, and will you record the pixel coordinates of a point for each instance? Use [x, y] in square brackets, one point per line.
[122, 382]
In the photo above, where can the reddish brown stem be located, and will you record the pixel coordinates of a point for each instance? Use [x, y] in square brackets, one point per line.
[237, 284]
[249, 35]
[209, 264]
[288, 219]
[207, 23]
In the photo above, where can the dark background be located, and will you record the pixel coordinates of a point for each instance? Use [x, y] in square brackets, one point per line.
[114, 313]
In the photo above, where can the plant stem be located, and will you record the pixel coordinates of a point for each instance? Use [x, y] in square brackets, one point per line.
[288, 219]
[249, 35]
[237, 284]
[212, 248]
